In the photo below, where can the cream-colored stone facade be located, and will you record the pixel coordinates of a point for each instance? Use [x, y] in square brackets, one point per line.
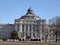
[29, 26]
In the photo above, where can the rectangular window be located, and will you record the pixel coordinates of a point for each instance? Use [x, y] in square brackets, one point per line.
[30, 28]
[26, 34]
[22, 34]
[26, 28]
[23, 28]
[33, 28]
[33, 34]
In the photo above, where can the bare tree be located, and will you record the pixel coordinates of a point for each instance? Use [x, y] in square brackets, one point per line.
[55, 21]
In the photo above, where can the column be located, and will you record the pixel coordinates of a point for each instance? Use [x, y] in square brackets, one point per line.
[25, 28]
[28, 29]
[41, 33]
[24, 32]
[20, 28]
[32, 28]
[35, 35]
[35, 31]
[35, 28]
[31, 31]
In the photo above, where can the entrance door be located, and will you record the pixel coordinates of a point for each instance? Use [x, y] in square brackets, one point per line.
[28, 37]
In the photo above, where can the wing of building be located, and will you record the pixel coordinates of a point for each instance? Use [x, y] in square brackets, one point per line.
[5, 30]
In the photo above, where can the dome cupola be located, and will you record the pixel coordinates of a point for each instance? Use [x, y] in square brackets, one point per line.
[30, 11]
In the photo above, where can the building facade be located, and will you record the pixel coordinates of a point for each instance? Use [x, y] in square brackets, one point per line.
[5, 30]
[31, 26]
[53, 33]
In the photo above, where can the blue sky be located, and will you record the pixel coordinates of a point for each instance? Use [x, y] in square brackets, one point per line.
[13, 9]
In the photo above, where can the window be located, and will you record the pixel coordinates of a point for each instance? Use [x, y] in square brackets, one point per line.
[53, 29]
[22, 34]
[33, 34]
[30, 28]
[26, 17]
[34, 28]
[50, 30]
[34, 21]
[26, 28]
[23, 28]
[30, 34]
[26, 34]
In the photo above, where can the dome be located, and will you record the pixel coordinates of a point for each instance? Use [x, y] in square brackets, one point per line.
[29, 14]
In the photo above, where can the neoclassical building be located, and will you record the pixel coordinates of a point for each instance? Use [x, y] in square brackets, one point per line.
[30, 26]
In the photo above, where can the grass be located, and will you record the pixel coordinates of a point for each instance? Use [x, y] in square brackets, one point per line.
[29, 43]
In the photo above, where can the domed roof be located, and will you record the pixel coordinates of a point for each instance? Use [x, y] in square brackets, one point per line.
[29, 13]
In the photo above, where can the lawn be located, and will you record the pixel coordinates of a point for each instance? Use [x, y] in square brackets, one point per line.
[29, 43]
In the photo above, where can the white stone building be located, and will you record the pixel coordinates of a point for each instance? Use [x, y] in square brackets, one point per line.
[30, 25]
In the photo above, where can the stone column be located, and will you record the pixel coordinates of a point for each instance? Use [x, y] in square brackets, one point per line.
[25, 28]
[20, 28]
[32, 28]
[35, 28]
[24, 32]
[41, 33]
[31, 31]
[28, 28]
[35, 31]
[35, 35]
